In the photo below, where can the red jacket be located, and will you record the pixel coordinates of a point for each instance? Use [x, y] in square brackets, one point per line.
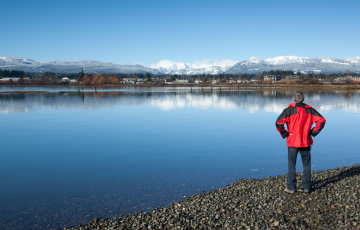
[299, 118]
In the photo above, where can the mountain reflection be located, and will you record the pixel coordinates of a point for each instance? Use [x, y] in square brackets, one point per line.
[253, 101]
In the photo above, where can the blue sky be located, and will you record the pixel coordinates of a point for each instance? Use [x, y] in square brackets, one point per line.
[127, 32]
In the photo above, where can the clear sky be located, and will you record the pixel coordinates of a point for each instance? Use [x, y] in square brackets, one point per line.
[136, 31]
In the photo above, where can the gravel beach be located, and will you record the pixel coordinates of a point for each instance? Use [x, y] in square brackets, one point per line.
[257, 204]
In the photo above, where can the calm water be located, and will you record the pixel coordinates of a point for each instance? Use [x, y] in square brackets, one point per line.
[66, 159]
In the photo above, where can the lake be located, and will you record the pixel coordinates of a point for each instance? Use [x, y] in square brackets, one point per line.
[68, 158]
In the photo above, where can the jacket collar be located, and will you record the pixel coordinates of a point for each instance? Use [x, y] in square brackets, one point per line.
[302, 105]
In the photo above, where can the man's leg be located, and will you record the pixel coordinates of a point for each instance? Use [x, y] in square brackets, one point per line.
[292, 154]
[306, 160]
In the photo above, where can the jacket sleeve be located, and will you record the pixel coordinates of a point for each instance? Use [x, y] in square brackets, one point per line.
[319, 121]
[281, 120]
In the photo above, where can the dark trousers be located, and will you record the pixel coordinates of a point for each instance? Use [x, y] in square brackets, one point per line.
[306, 160]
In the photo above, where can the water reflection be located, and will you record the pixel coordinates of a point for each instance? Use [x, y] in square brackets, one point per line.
[67, 158]
[253, 101]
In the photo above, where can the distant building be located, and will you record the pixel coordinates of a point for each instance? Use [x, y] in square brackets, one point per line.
[344, 79]
[65, 79]
[292, 77]
[9, 78]
[182, 81]
[139, 81]
[272, 77]
[168, 82]
[129, 80]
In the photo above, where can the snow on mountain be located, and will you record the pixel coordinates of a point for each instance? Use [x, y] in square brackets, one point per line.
[301, 64]
[252, 65]
[254, 60]
[80, 62]
[89, 66]
[199, 67]
[355, 60]
[286, 60]
[333, 60]
[12, 61]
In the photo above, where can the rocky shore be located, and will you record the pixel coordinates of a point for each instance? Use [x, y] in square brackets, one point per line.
[257, 204]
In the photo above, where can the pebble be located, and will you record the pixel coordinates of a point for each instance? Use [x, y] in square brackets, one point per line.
[257, 204]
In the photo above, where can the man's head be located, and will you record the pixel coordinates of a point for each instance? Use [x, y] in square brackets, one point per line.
[298, 97]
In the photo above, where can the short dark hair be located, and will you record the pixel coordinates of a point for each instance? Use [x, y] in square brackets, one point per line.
[298, 97]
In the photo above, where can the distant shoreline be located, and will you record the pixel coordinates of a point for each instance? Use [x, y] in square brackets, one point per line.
[25, 92]
[192, 87]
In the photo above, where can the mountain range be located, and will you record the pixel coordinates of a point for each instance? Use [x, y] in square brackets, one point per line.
[252, 65]
[297, 64]
[89, 66]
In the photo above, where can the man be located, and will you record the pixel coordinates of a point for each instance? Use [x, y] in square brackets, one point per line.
[299, 118]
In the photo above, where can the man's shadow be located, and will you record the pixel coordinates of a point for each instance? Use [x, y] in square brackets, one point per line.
[319, 184]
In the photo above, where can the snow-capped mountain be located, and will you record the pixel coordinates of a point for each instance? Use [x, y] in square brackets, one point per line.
[14, 61]
[252, 65]
[301, 64]
[207, 67]
[89, 66]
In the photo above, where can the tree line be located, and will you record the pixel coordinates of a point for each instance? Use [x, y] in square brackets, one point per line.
[100, 79]
[11, 73]
[52, 78]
